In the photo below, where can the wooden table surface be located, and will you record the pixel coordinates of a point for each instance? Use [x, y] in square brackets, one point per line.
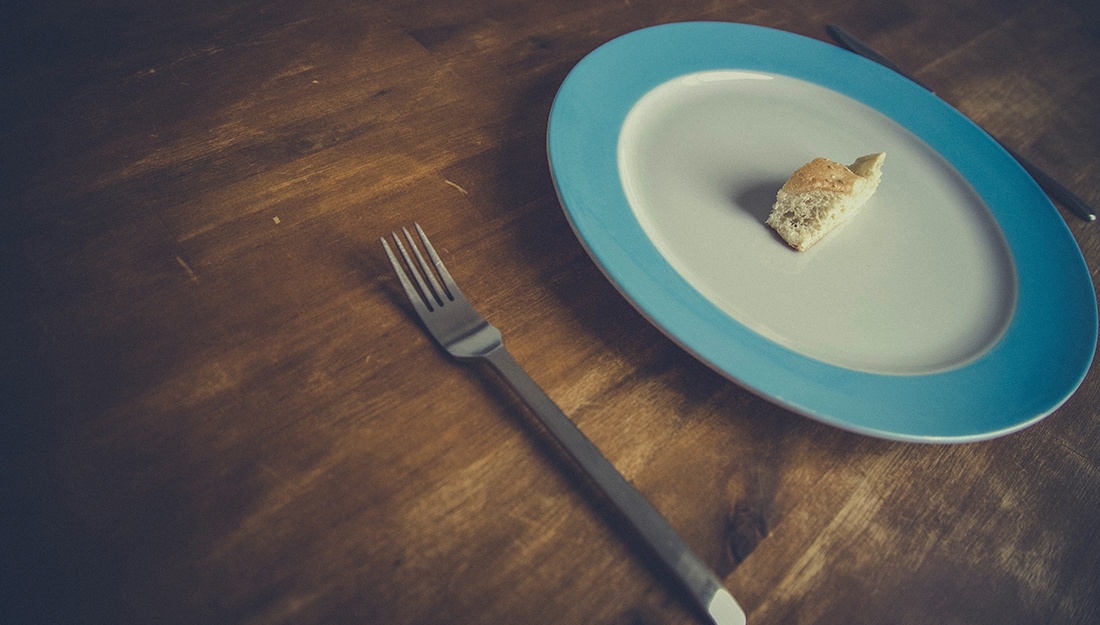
[219, 408]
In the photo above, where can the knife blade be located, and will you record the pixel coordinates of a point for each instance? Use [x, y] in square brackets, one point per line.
[1054, 189]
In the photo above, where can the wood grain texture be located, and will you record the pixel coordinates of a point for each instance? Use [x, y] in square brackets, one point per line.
[219, 408]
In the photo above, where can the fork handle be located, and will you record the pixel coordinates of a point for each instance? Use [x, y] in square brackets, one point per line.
[703, 585]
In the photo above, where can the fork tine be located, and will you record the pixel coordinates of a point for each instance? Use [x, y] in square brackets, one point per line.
[422, 307]
[448, 282]
[427, 296]
[437, 291]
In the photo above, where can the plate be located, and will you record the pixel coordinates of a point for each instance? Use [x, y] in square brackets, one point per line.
[955, 306]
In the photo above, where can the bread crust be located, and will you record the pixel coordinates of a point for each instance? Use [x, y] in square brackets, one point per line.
[821, 174]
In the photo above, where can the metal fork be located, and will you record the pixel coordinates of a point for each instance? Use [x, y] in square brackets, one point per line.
[466, 335]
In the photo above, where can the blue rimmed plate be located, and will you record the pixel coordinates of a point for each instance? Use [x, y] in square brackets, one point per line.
[954, 307]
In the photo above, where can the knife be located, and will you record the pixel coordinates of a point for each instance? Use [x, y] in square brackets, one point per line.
[1054, 189]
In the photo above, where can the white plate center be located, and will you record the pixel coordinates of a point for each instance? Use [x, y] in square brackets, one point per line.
[919, 281]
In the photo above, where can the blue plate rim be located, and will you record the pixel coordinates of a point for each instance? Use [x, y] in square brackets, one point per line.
[1033, 369]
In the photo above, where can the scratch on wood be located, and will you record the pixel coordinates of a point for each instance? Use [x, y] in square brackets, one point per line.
[194, 278]
[456, 186]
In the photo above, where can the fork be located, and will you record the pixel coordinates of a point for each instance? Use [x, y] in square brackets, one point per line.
[466, 335]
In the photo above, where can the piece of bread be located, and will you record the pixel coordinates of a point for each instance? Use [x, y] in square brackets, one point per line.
[820, 195]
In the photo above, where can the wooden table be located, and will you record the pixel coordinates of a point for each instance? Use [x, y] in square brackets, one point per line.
[219, 407]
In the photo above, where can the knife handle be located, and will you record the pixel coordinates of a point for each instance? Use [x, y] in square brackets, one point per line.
[1056, 190]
